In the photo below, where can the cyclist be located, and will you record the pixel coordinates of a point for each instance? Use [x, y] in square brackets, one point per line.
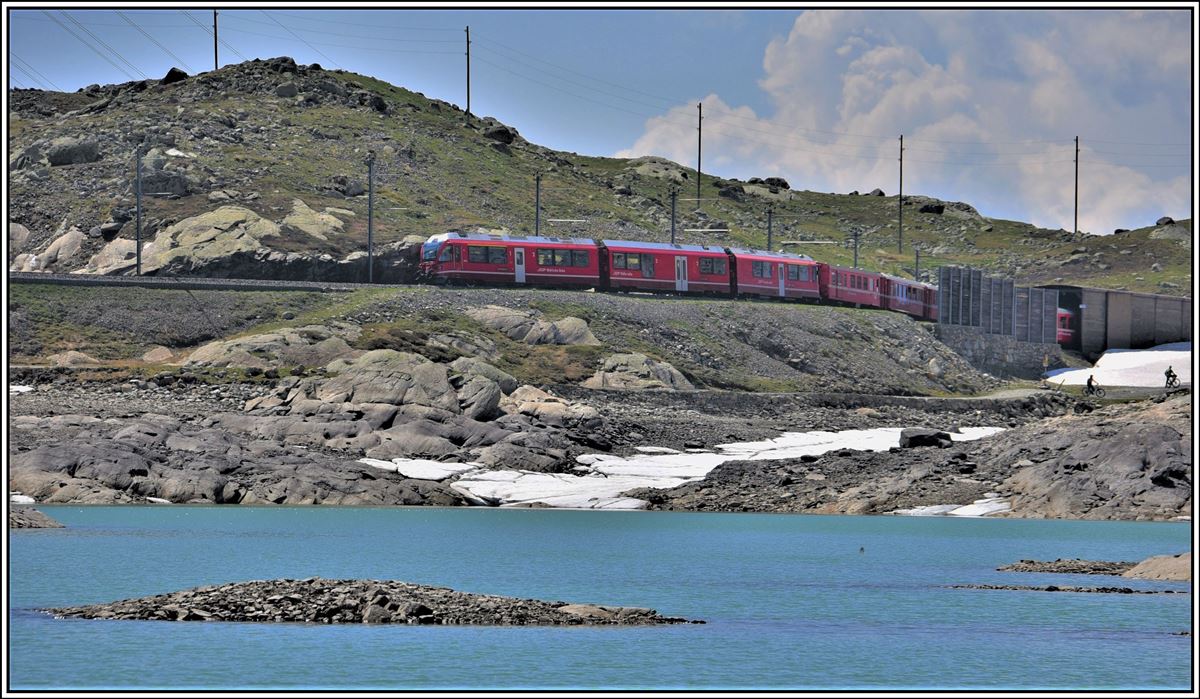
[1091, 384]
[1172, 378]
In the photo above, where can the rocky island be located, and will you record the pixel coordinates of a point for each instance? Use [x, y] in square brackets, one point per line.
[322, 601]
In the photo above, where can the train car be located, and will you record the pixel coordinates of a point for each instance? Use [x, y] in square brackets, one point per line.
[847, 285]
[511, 259]
[774, 274]
[908, 296]
[1064, 327]
[627, 264]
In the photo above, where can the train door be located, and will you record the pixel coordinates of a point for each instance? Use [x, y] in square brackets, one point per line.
[782, 269]
[519, 264]
[681, 274]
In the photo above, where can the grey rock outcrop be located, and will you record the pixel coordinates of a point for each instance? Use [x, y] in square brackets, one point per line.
[310, 345]
[638, 372]
[530, 327]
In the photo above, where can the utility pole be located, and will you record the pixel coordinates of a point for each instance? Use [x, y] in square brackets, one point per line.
[855, 234]
[370, 216]
[468, 74]
[215, 65]
[770, 211]
[699, 140]
[1076, 229]
[917, 274]
[138, 189]
[537, 204]
[674, 194]
[900, 205]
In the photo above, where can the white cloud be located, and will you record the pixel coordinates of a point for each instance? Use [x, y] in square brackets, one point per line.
[987, 100]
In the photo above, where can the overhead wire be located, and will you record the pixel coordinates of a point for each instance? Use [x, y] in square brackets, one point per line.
[89, 45]
[347, 46]
[209, 31]
[375, 26]
[29, 77]
[289, 31]
[155, 41]
[35, 71]
[104, 44]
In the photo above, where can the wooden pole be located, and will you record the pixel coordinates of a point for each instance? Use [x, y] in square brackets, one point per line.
[900, 205]
[468, 74]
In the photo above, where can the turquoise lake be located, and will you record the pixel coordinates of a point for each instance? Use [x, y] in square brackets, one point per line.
[790, 601]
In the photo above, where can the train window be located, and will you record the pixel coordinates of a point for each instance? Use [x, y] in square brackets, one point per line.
[632, 260]
[579, 258]
[793, 272]
[447, 253]
[476, 253]
[497, 255]
[545, 257]
[803, 273]
[761, 269]
[647, 265]
[719, 265]
[706, 265]
[618, 260]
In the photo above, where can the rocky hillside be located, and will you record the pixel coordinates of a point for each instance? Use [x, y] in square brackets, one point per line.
[258, 169]
[539, 336]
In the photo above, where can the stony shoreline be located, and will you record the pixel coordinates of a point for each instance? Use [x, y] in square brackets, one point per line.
[1070, 565]
[29, 518]
[324, 601]
[1070, 588]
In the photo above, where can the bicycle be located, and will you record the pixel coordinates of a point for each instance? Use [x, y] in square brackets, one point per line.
[1095, 390]
[1172, 382]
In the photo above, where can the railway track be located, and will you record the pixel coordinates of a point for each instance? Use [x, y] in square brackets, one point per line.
[191, 283]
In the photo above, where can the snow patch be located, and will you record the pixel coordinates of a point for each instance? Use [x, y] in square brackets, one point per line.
[18, 499]
[422, 469]
[1122, 367]
[158, 501]
[603, 477]
[18, 388]
[979, 508]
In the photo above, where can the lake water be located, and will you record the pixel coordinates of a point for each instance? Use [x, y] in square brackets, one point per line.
[789, 600]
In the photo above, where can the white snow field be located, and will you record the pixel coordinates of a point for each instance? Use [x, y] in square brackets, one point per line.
[1121, 367]
[603, 477]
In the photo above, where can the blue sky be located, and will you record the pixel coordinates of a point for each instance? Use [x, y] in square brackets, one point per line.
[988, 100]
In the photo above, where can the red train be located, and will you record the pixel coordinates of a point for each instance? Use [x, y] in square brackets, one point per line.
[639, 266]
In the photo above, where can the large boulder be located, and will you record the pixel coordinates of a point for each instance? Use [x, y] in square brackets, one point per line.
[173, 75]
[500, 132]
[549, 409]
[18, 235]
[638, 372]
[923, 437]
[71, 358]
[72, 151]
[61, 251]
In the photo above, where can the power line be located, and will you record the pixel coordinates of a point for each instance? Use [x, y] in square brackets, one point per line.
[575, 72]
[85, 43]
[209, 31]
[33, 71]
[345, 46]
[105, 45]
[351, 36]
[289, 31]
[151, 38]
[375, 26]
[17, 15]
[28, 76]
[15, 82]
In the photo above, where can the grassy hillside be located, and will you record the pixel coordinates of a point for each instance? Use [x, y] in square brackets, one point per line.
[230, 138]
